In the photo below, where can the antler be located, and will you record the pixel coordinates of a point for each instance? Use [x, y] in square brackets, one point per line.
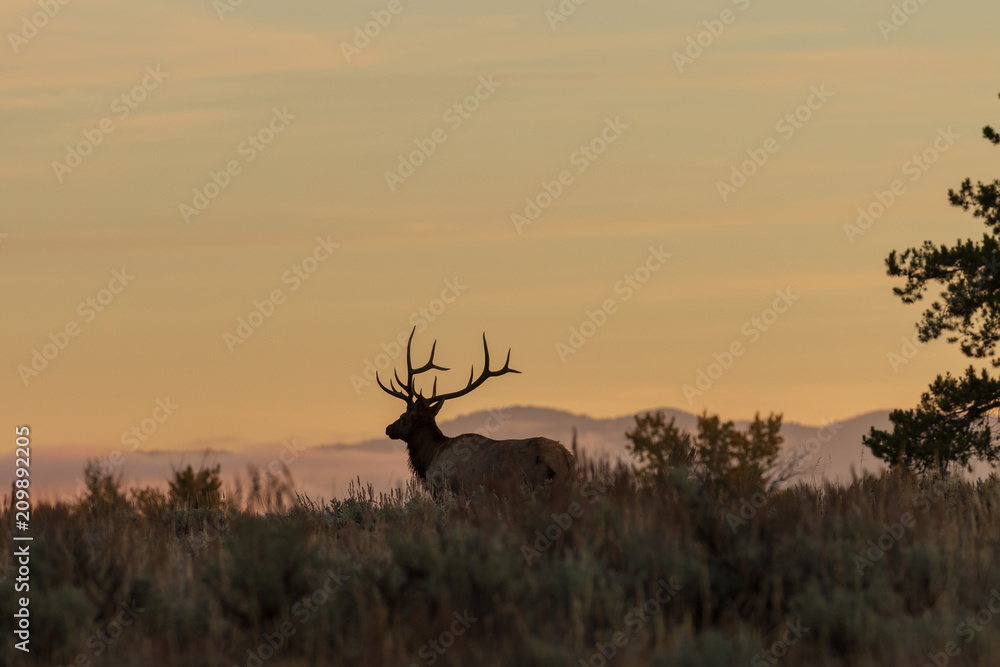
[485, 375]
[406, 390]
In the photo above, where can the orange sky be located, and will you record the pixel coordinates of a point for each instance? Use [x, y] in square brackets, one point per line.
[168, 165]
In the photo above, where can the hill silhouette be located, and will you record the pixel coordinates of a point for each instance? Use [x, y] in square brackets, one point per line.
[326, 470]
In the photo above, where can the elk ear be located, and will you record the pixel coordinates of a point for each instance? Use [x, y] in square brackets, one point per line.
[437, 408]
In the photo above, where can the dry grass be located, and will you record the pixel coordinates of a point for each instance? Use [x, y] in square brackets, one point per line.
[213, 584]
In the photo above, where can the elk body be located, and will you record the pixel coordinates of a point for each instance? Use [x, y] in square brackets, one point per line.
[464, 462]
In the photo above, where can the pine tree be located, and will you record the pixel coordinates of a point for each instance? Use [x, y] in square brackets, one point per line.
[952, 424]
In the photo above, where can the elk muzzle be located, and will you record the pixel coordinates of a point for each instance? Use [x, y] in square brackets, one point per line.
[397, 430]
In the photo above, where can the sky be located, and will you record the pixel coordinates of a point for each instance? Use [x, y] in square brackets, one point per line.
[220, 217]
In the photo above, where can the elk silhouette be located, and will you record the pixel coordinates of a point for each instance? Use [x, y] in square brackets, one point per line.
[466, 461]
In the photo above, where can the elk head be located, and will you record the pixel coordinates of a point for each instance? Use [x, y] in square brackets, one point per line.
[416, 426]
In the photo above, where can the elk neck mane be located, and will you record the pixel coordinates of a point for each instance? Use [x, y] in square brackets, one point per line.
[424, 445]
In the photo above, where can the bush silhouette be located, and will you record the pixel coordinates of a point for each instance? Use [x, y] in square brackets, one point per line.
[720, 455]
[197, 490]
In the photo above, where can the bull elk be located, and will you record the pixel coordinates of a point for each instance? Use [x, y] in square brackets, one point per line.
[464, 462]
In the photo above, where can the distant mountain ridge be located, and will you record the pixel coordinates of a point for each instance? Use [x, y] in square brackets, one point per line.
[325, 471]
[834, 451]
